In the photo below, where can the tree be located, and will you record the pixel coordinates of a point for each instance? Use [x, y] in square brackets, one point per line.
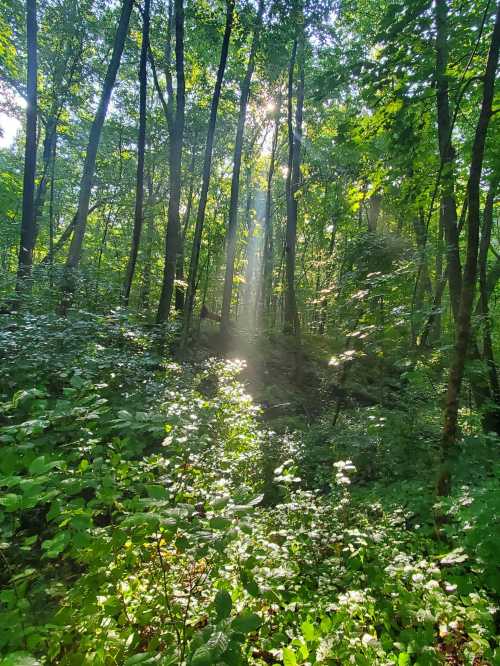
[450, 428]
[172, 239]
[205, 182]
[28, 222]
[291, 320]
[75, 250]
[448, 210]
[267, 263]
[141, 144]
[232, 227]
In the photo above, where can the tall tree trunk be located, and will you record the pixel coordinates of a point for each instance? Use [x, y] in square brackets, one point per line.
[423, 282]
[76, 247]
[448, 208]
[232, 227]
[491, 419]
[141, 145]
[148, 253]
[179, 270]
[449, 436]
[291, 321]
[28, 222]
[175, 159]
[267, 273]
[49, 142]
[51, 212]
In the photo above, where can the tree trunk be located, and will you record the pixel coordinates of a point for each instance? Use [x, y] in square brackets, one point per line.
[148, 253]
[291, 322]
[267, 276]
[425, 286]
[232, 228]
[141, 145]
[76, 247]
[179, 270]
[51, 212]
[28, 222]
[48, 151]
[448, 208]
[175, 159]
[449, 435]
[491, 419]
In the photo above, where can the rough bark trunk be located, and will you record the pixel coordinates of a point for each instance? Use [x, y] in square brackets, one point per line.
[450, 430]
[175, 160]
[232, 228]
[291, 320]
[28, 221]
[141, 145]
[448, 208]
[76, 247]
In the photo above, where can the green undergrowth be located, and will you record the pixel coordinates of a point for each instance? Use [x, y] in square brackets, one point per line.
[149, 517]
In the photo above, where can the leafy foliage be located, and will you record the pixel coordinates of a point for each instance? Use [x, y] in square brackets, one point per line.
[133, 528]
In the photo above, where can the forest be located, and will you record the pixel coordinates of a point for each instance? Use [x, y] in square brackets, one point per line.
[249, 333]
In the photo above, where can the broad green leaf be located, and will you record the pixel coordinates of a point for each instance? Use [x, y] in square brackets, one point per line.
[289, 658]
[246, 622]
[218, 643]
[223, 604]
[202, 657]
[307, 630]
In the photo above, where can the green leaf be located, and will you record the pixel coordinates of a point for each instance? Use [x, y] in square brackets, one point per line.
[202, 657]
[218, 643]
[219, 523]
[307, 630]
[289, 658]
[11, 502]
[156, 491]
[246, 622]
[404, 659]
[223, 604]
[249, 583]
[40, 465]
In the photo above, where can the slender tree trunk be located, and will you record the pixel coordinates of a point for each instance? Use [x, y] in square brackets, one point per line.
[267, 276]
[49, 141]
[491, 418]
[141, 145]
[450, 430]
[179, 270]
[448, 208]
[232, 229]
[324, 302]
[66, 234]
[425, 286]
[148, 253]
[76, 247]
[28, 221]
[51, 212]
[291, 322]
[175, 158]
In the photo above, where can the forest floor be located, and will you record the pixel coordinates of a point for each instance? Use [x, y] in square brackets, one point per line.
[155, 513]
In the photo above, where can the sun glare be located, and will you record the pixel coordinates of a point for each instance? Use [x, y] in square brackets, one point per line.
[9, 128]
